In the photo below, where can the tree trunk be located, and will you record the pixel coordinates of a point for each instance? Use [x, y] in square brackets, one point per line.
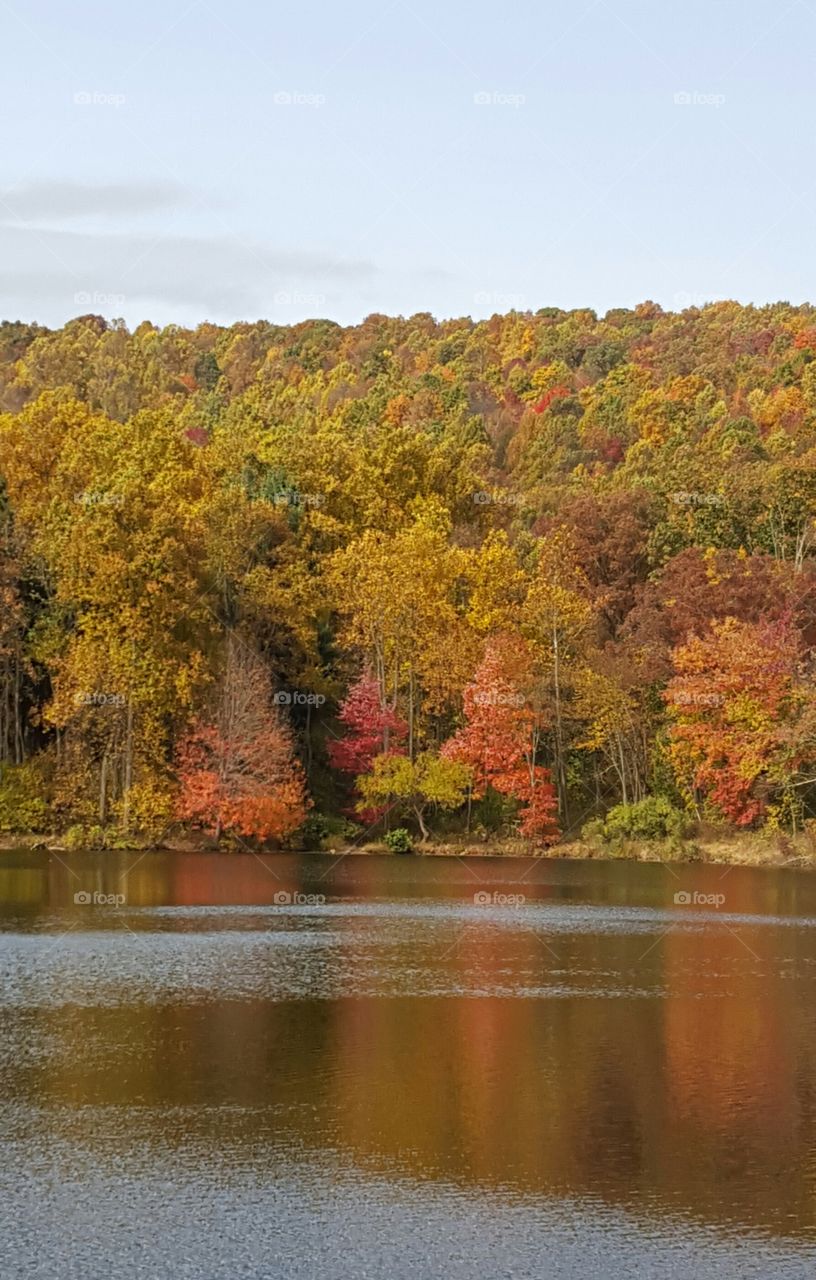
[128, 781]
[420, 819]
[622, 759]
[560, 764]
[103, 791]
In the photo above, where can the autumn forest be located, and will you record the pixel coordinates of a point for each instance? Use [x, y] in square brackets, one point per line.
[409, 580]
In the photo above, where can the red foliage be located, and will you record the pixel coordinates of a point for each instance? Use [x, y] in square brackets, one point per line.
[693, 591]
[612, 450]
[555, 393]
[500, 737]
[237, 773]
[249, 786]
[742, 721]
[609, 533]
[372, 729]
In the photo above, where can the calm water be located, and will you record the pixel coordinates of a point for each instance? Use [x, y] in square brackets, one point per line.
[215, 1079]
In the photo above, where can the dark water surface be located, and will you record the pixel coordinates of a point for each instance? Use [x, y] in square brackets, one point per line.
[392, 1080]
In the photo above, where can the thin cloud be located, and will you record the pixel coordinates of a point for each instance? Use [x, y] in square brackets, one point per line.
[64, 201]
[67, 272]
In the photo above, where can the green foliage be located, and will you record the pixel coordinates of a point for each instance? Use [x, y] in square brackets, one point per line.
[399, 841]
[313, 832]
[23, 806]
[324, 831]
[79, 837]
[493, 812]
[92, 837]
[414, 785]
[653, 818]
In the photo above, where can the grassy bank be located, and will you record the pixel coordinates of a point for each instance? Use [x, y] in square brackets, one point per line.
[752, 849]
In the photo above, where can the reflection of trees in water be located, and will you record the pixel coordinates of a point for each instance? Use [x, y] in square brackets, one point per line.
[667, 1071]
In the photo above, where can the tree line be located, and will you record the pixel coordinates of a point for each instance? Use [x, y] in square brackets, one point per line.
[283, 582]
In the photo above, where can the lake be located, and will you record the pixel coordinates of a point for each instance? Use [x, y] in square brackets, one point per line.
[304, 1066]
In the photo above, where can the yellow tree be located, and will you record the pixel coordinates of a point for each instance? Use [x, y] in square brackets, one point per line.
[260, 566]
[497, 586]
[400, 599]
[614, 725]
[557, 621]
[113, 516]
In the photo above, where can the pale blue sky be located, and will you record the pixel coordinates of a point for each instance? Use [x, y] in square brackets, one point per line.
[184, 161]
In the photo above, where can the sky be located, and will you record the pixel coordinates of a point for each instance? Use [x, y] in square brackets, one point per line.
[183, 160]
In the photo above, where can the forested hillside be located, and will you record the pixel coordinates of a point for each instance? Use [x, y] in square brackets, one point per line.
[495, 576]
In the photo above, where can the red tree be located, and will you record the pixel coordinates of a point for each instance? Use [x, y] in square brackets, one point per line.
[237, 772]
[742, 717]
[501, 736]
[372, 729]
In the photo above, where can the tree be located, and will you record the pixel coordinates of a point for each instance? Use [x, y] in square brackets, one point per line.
[556, 620]
[12, 652]
[790, 525]
[743, 722]
[236, 771]
[398, 596]
[609, 535]
[500, 740]
[111, 517]
[429, 781]
[371, 729]
[615, 723]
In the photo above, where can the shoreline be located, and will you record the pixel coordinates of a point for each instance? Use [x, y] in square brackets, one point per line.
[749, 850]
